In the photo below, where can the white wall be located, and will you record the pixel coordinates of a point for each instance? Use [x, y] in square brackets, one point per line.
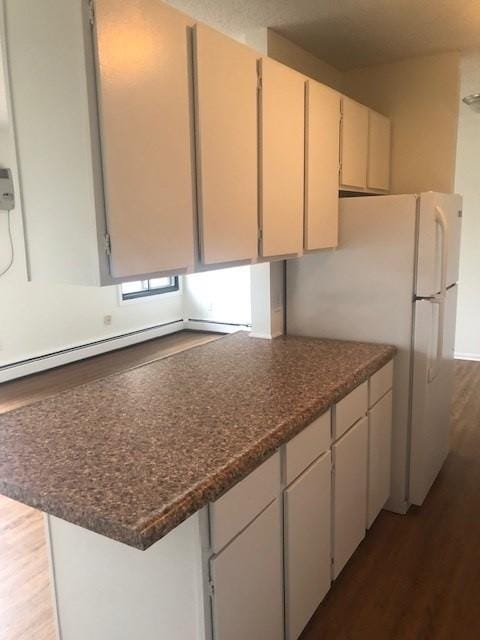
[3, 96]
[303, 61]
[219, 296]
[467, 182]
[421, 97]
[38, 318]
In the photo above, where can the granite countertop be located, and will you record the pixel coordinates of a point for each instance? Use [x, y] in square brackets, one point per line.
[133, 455]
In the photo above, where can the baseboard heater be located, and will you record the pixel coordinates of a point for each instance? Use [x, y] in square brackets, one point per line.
[80, 352]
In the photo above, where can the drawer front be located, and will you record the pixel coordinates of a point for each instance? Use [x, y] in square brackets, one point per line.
[248, 582]
[307, 446]
[350, 409]
[379, 456]
[380, 383]
[308, 545]
[349, 494]
[238, 507]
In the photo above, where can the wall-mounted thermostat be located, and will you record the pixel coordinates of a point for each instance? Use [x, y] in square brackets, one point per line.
[7, 194]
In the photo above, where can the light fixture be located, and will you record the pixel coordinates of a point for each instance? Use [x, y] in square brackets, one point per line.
[473, 101]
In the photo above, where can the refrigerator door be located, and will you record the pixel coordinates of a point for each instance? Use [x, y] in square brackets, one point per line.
[433, 370]
[439, 227]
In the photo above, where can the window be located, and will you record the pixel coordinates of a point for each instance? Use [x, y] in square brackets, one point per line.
[145, 288]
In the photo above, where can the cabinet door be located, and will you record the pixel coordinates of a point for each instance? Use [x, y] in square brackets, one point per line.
[354, 144]
[146, 113]
[379, 456]
[322, 140]
[248, 582]
[227, 138]
[349, 494]
[307, 544]
[379, 134]
[282, 151]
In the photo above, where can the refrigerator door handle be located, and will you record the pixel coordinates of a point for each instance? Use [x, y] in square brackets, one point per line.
[434, 368]
[442, 221]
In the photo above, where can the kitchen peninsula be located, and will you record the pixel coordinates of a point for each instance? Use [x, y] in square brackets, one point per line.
[190, 459]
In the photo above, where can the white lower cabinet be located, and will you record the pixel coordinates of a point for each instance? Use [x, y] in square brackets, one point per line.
[248, 582]
[307, 544]
[349, 493]
[379, 456]
[273, 565]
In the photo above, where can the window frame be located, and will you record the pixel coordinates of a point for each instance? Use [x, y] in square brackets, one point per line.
[150, 292]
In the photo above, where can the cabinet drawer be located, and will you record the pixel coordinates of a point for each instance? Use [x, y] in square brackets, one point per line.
[349, 410]
[307, 446]
[248, 582]
[379, 457]
[308, 548]
[238, 507]
[349, 494]
[380, 383]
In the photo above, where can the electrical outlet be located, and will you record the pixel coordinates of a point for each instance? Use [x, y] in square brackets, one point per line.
[107, 320]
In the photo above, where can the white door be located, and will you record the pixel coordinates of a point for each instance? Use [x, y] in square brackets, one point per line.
[432, 392]
[144, 80]
[248, 582]
[349, 493]
[307, 544]
[354, 144]
[322, 136]
[282, 151]
[379, 456]
[439, 232]
[227, 138]
[379, 135]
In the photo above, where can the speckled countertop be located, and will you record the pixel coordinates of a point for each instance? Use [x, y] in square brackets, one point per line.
[134, 454]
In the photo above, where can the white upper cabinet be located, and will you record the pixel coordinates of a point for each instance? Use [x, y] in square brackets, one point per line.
[144, 91]
[322, 122]
[379, 135]
[282, 148]
[354, 144]
[227, 138]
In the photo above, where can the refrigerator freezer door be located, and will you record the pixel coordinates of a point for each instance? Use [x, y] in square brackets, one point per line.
[439, 227]
[430, 432]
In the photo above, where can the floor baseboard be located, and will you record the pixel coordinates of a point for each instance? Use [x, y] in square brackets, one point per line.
[73, 354]
[475, 357]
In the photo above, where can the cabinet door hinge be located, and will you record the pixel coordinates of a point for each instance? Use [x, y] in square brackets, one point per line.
[260, 234]
[259, 76]
[211, 588]
[91, 12]
[107, 244]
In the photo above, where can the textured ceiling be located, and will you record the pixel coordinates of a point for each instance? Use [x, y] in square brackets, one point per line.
[351, 33]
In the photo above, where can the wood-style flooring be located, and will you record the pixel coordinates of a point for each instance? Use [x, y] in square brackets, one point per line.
[26, 611]
[25, 600]
[415, 577]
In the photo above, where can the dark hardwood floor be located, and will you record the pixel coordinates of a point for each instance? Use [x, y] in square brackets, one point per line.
[417, 577]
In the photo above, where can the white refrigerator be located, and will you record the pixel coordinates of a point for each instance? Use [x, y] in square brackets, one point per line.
[393, 280]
